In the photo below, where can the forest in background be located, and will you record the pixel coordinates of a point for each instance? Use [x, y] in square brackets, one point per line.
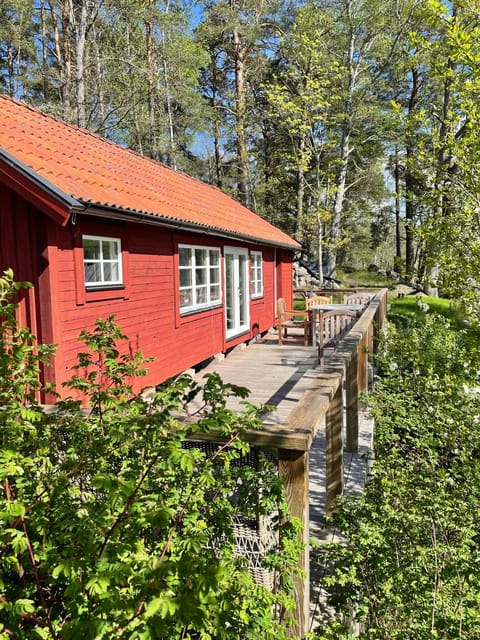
[352, 125]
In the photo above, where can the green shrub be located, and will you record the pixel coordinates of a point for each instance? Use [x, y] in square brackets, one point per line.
[110, 527]
[409, 568]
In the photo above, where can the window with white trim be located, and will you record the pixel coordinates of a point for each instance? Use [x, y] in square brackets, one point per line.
[256, 273]
[102, 261]
[199, 270]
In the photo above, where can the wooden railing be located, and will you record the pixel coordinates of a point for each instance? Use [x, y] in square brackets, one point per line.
[346, 368]
[342, 377]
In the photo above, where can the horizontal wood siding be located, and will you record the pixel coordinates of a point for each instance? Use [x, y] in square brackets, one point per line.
[24, 248]
[147, 308]
[285, 277]
[263, 309]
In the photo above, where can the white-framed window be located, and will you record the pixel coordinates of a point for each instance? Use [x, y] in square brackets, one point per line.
[256, 274]
[102, 261]
[200, 280]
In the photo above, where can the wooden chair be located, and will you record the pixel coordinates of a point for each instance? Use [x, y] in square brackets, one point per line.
[314, 300]
[287, 318]
[333, 326]
[359, 298]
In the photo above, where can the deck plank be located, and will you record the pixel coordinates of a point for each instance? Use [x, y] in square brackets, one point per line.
[275, 375]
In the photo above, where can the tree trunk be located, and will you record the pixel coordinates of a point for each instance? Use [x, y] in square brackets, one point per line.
[216, 144]
[300, 192]
[320, 249]
[441, 186]
[43, 28]
[100, 87]
[398, 236]
[57, 49]
[153, 149]
[340, 190]
[172, 160]
[345, 151]
[65, 60]
[410, 183]
[11, 71]
[80, 21]
[240, 54]
[409, 214]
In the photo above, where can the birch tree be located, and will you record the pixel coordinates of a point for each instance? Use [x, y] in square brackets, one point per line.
[299, 99]
[358, 36]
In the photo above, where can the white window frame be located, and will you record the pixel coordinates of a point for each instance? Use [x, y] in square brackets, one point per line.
[202, 292]
[103, 262]
[256, 274]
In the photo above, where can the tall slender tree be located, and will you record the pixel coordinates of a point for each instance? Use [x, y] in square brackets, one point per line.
[235, 30]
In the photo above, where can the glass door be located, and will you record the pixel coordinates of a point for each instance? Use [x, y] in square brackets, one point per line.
[236, 291]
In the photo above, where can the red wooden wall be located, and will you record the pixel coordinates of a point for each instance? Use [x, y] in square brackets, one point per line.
[147, 309]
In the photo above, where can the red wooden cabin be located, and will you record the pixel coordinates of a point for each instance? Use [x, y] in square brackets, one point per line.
[99, 229]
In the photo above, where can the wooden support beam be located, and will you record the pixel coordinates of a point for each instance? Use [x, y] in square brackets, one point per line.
[334, 437]
[370, 342]
[293, 468]
[362, 353]
[351, 397]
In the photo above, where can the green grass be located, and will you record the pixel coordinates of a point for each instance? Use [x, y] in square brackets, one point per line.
[410, 307]
[362, 279]
[299, 305]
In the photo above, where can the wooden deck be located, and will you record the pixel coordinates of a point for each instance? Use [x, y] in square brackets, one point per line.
[316, 427]
[275, 375]
[280, 376]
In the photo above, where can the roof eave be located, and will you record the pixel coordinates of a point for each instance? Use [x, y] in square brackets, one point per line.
[129, 215]
[61, 204]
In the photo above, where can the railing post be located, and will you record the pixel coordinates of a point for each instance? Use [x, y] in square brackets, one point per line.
[362, 353]
[293, 468]
[351, 398]
[334, 444]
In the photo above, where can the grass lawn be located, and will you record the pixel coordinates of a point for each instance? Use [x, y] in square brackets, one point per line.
[362, 279]
[402, 311]
[415, 307]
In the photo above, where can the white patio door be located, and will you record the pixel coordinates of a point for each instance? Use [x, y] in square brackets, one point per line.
[236, 291]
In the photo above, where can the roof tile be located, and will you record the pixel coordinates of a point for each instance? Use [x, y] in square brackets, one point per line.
[95, 171]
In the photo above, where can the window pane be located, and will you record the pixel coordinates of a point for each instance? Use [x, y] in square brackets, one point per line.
[201, 295]
[110, 272]
[186, 299]
[200, 276]
[91, 249]
[185, 278]
[215, 293]
[200, 257]
[109, 249]
[214, 275]
[185, 256]
[214, 257]
[92, 272]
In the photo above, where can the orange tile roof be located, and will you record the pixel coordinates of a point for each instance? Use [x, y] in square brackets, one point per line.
[100, 173]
